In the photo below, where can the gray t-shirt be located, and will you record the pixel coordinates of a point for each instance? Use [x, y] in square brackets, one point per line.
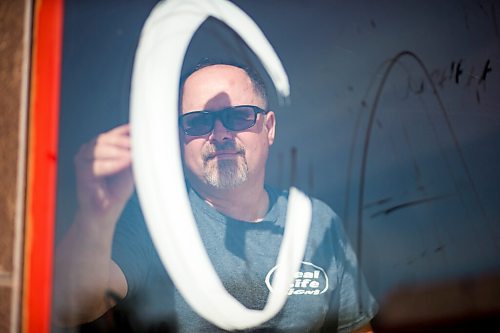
[244, 254]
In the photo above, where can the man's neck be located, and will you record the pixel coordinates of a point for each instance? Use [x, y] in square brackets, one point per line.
[245, 203]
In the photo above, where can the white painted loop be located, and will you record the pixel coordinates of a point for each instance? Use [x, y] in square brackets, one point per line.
[158, 169]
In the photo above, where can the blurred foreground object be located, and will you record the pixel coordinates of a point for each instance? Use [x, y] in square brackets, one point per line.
[464, 305]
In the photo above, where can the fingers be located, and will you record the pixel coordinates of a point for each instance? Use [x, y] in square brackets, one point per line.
[106, 155]
[109, 167]
[99, 149]
[119, 136]
[123, 129]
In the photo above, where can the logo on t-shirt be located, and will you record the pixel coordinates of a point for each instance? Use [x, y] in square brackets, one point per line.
[310, 280]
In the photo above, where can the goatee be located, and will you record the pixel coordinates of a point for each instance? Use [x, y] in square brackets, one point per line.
[224, 173]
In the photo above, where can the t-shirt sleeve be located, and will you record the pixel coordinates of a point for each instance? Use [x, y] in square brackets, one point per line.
[351, 304]
[131, 247]
[356, 304]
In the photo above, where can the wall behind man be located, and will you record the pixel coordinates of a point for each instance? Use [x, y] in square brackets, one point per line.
[14, 59]
[430, 190]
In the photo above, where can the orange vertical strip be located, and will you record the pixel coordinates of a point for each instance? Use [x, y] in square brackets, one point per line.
[42, 165]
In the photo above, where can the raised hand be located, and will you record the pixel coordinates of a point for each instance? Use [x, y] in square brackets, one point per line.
[84, 270]
[104, 172]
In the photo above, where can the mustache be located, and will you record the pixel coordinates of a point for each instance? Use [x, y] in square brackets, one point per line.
[211, 149]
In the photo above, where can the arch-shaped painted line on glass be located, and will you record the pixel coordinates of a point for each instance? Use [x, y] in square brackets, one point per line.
[158, 169]
[367, 138]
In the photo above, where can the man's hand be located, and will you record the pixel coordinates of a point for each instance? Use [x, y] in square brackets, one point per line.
[104, 173]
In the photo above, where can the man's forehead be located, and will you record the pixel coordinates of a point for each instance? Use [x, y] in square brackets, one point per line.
[218, 86]
[216, 73]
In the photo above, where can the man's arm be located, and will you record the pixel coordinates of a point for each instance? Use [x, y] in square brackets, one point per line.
[84, 271]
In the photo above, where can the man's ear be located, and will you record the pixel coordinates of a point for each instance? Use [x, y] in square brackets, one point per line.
[270, 125]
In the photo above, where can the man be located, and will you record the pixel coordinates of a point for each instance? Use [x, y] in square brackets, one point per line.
[226, 131]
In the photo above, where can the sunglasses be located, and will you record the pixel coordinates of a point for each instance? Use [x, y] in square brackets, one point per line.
[235, 118]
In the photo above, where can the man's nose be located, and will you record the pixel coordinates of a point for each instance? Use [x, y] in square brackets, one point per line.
[220, 133]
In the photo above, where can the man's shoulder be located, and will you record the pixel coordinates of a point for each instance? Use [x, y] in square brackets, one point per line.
[319, 207]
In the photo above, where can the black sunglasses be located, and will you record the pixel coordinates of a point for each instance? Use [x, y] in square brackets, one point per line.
[235, 118]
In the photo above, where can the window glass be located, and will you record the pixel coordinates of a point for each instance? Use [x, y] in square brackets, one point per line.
[392, 120]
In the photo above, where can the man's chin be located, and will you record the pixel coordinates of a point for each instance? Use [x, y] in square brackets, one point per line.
[225, 182]
[226, 175]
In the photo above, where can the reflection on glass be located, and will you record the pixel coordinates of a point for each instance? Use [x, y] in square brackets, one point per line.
[427, 174]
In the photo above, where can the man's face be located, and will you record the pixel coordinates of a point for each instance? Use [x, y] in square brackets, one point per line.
[225, 159]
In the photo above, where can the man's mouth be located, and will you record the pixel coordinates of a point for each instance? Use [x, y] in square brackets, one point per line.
[226, 150]
[224, 154]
